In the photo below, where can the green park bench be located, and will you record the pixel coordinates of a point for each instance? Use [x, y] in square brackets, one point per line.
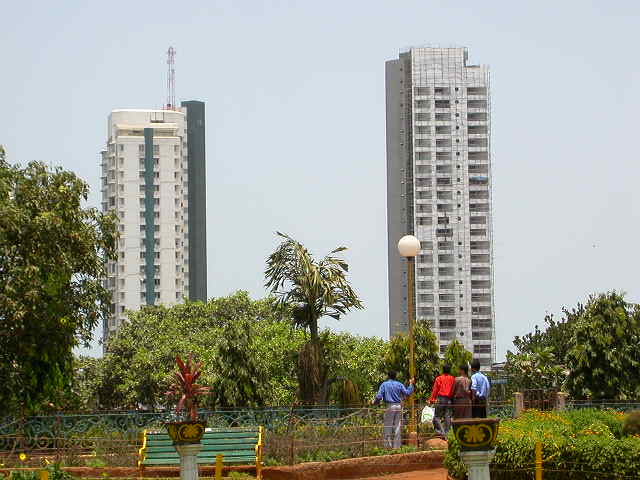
[238, 446]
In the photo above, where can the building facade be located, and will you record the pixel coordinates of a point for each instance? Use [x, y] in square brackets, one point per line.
[153, 178]
[439, 189]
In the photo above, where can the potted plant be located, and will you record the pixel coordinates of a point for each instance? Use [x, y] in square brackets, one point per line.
[185, 388]
[475, 434]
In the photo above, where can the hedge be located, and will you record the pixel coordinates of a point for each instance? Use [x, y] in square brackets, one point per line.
[585, 444]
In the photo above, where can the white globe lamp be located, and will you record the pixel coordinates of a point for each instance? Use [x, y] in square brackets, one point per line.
[409, 246]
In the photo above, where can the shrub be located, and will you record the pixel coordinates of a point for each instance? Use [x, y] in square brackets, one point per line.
[631, 424]
[580, 445]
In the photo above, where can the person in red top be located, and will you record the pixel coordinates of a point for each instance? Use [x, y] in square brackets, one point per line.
[442, 394]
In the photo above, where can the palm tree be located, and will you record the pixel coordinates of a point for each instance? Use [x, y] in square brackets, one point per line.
[312, 289]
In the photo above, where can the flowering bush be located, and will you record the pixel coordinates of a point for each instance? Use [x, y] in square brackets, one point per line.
[578, 444]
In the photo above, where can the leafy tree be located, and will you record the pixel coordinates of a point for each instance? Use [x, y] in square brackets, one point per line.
[456, 355]
[312, 290]
[536, 369]
[426, 355]
[52, 257]
[604, 357]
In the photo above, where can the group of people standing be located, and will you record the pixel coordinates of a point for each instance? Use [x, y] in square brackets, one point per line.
[453, 397]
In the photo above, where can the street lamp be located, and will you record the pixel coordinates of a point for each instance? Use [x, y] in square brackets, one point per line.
[409, 247]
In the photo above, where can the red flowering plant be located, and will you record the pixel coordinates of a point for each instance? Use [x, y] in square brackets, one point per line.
[185, 388]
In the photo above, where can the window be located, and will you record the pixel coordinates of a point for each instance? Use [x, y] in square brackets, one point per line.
[480, 284]
[441, 91]
[481, 323]
[443, 181]
[443, 104]
[450, 335]
[477, 104]
[447, 284]
[482, 349]
[443, 117]
[479, 245]
[445, 271]
[425, 258]
[423, 182]
[443, 142]
[443, 129]
[424, 221]
[446, 297]
[476, 90]
[479, 194]
[448, 323]
[445, 258]
[425, 311]
[426, 245]
[422, 103]
[480, 271]
[447, 310]
[480, 258]
[423, 130]
[478, 156]
[478, 220]
[482, 168]
[156, 149]
[477, 129]
[425, 272]
[425, 285]
[445, 207]
[423, 208]
[481, 310]
[121, 147]
[444, 232]
[442, 156]
[423, 169]
[422, 142]
[478, 232]
[423, 155]
[443, 220]
[425, 298]
[420, 91]
[443, 349]
[479, 207]
[424, 194]
[477, 117]
[422, 117]
[444, 195]
[478, 181]
[447, 245]
[480, 297]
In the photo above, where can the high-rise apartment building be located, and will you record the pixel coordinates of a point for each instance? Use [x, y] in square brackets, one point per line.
[439, 189]
[153, 177]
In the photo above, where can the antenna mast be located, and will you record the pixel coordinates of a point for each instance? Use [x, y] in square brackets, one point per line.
[171, 79]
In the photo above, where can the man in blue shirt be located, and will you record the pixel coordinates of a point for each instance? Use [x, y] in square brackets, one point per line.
[393, 392]
[480, 388]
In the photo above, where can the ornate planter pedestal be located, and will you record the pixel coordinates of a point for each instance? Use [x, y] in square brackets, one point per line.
[477, 437]
[189, 460]
[186, 437]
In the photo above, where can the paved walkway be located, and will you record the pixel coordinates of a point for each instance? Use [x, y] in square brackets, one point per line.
[431, 474]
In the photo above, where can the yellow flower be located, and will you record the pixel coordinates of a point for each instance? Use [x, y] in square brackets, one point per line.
[22, 457]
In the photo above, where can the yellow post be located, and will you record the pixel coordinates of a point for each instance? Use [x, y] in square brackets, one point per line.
[219, 463]
[413, 436]
[44, 474]
[538, 460]
[259, 453]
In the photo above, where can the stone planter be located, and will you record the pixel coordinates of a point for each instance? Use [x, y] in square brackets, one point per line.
[475, 434]
[184, 433]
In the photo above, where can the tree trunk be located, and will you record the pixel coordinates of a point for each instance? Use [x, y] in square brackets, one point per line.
[311, 373]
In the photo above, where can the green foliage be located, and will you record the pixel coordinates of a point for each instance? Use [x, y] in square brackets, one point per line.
[579, 444]
[456, 355]
[54, 470]
[604, 357]
[631, 424]
[426, 354]
[536, 369]
[249, 351]
[311, 290]
[52, 253]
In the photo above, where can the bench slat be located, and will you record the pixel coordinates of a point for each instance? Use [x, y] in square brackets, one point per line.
[205, 448]
[202, 461]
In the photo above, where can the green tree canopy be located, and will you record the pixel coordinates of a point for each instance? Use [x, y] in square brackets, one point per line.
[311, 290]
[52, 253]
[604, 357]
[426, 355]
[456, 355]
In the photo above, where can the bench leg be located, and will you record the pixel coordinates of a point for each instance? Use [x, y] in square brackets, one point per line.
[219, 464]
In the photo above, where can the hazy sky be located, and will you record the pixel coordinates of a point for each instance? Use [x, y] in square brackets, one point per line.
[294, 93]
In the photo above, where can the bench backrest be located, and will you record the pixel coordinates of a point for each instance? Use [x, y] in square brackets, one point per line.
[238, 445]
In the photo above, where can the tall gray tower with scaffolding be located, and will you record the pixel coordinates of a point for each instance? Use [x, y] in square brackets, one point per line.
[439, 189]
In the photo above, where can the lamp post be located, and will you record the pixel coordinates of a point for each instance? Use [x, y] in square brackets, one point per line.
[409, 247]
